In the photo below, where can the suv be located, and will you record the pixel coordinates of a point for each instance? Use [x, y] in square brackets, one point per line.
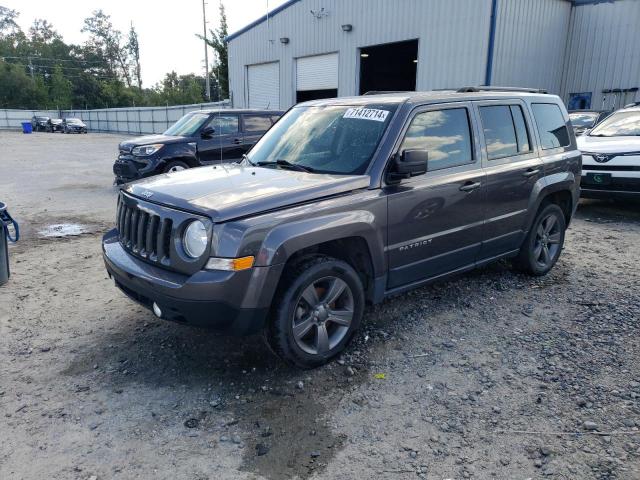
[611, 156]
[199, 138]
[39, 124]
[346, 202]
[73, 125]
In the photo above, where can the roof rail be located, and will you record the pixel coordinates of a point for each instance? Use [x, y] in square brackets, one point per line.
[382, 92]
[484, 88]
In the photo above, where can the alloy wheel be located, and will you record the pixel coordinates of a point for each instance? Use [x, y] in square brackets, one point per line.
[322, 316]
[547, 242]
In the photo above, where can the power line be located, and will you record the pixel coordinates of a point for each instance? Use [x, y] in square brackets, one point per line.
[34, 57]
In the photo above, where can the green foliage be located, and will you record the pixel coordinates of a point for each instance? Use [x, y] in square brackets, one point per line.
[217, 41]
[39, 70]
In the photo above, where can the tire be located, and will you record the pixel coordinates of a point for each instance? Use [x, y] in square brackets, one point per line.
[546, 235]
[175, 166]
[303, 329]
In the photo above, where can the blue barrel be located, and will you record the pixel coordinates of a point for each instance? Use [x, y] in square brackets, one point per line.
[5, 236]
[27, 127]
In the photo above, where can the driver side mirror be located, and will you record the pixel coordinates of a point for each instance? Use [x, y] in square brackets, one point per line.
[409, 163]
[207, 132]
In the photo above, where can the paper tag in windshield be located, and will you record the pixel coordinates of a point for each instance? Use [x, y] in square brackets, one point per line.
[367, 114]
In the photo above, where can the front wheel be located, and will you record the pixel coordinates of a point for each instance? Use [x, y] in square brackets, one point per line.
[317, 309]
[542, 246]
[175, 166]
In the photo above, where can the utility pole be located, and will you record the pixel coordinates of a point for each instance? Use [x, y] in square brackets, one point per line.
[31, 67]
[206, 52]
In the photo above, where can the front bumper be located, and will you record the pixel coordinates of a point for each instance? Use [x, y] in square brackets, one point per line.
[615, 185]
[235, 303]
[126, 169]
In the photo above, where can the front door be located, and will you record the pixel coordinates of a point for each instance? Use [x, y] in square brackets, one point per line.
[435, 220]
[513, 167]
[225, 145]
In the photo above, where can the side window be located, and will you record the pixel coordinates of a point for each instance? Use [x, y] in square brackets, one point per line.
[445, 134]
[256, 123]
[505, 130]
[224, 124]
[499, 132]
[524, 145]
[551, 126]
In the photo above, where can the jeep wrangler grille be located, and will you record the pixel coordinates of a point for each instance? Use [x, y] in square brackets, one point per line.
[143, 233]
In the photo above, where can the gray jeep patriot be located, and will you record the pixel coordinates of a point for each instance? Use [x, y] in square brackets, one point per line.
[345, 202]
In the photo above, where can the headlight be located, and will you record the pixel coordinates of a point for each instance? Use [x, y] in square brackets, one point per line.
[195, 239]
[146, 150]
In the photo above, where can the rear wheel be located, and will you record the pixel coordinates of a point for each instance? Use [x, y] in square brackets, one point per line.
[175, 166]
[318, 308]
[542, 246]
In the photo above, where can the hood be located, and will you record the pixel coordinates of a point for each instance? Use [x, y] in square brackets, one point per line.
[230, 191]
[149, 139]
[587, 143]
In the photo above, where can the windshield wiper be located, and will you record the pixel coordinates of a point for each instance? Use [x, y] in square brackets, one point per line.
[286, 164]
[294, 166]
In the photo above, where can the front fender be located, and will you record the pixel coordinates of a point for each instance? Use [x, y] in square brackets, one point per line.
[284, 240]
[186, 152]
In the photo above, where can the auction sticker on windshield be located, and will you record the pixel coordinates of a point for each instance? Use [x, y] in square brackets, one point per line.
[367, 114]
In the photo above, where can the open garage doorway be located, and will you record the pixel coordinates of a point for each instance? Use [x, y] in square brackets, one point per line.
[389, 67]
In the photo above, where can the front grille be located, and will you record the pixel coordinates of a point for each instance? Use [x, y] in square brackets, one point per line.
[144, 233]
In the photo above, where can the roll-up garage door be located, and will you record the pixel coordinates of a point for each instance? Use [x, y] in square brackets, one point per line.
[319, 72]
[264, 85]
[317, 76]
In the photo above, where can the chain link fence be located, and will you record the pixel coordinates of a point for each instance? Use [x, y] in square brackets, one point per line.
[130, 120]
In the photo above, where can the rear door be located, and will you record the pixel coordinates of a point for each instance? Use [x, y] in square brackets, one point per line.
[225, 145]
[513, 167]
[253, 127]
[435, 220]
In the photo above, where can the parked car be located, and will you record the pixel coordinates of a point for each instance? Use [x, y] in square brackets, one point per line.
[199, 138]
[39, 123]
[584, 120]
[611, 156]
[73, 125]
[54, 125]
[346, 202]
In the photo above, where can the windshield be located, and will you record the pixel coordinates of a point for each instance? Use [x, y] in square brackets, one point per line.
[620, 124]
[329, 139]
[187, 125]
[74, 120]
[583, 120]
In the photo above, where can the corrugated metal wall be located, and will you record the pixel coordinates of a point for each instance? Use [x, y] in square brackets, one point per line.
[530, 43]
[452, 49]
[603, 52]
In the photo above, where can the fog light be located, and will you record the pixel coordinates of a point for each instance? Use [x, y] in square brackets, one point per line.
[156, 310]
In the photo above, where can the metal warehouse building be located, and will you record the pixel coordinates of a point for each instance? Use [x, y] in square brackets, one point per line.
[588, 52]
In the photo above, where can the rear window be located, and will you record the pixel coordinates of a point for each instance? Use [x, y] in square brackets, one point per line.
[551, 126]
[445, 134]
[256, 123]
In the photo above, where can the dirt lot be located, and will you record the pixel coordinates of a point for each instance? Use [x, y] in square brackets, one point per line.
[491, 375]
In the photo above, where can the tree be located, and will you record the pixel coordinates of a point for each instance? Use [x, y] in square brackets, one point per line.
[134, 52]
[218, 43]
[61, 89]
[104, 38]
[8, 24]
[43, 32]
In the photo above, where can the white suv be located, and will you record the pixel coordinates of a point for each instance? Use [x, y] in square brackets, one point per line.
[611, 156]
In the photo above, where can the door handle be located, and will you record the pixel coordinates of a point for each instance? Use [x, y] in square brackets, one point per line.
[237, 141]
[530, 172]
[469, 186]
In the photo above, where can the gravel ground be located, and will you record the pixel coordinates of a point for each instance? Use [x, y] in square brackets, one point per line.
[490, 375]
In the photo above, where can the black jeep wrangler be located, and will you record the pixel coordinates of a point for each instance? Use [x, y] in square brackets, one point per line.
[345, 202]
[202, 137]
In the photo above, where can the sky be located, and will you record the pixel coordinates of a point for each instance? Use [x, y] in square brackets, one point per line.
[166, 29]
